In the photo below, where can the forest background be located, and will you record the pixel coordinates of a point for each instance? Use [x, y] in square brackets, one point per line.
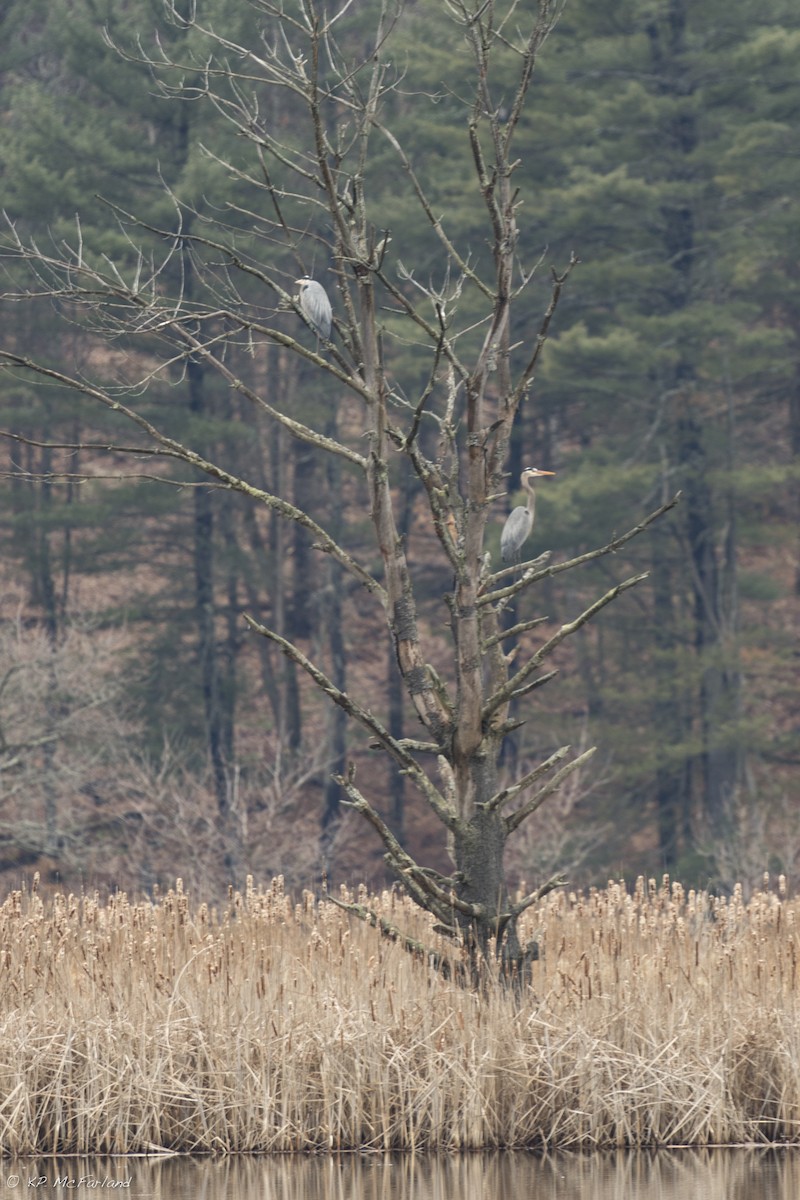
[660, 148]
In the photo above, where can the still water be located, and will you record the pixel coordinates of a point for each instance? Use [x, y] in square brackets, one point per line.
[665, 1175]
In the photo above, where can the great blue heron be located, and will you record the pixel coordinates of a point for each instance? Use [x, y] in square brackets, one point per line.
[315, 306]
[519, 522]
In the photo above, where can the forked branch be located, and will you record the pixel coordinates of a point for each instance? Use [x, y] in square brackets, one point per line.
[393, 933]
[508, 793]
[364, 717]
[504, 694]
[533, 576]
[435, 898]
[515, 819]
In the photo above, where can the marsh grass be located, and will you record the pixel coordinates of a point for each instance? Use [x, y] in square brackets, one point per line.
[653, 1018]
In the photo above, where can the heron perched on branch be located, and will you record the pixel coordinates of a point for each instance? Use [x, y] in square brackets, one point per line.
[315, 306]
[519, 522]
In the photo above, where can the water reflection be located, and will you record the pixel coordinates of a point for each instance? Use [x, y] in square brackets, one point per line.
[666, 1175]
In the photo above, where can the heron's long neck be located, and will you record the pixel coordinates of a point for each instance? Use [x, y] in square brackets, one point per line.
[531, 499]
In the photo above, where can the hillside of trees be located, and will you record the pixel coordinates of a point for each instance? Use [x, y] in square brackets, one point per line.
[146, 731]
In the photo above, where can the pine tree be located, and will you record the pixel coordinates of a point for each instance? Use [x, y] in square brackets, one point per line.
[652, 374]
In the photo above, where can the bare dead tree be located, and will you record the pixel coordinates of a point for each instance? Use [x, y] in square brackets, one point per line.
[315, 202]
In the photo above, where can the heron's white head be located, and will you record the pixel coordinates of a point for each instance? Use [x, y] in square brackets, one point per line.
[534, 472]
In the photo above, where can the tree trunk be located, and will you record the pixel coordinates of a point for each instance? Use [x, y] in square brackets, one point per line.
[337, 730]
[290, 723]
[333, 623]
[717, 695]
[673, 780]
[299, 619]
[794, 442]
[394, 680]
[718, 691]
[203, 553]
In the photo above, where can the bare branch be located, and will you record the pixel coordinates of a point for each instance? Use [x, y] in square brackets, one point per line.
[611, 547]
[515, 819]
[394, 934]
[508, 793]
[102, 447]
[555, 881]
[533, 684]
[427, 208]
[403, 863]
[170, 448]
[533, 564]
[365, 718]
[503, 696]
[412, 744]
[514, 631]
[544, 329]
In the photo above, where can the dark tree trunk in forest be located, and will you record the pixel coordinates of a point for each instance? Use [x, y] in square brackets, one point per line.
[203, 542]
[230, 646]
[45, 593]
[794, 441]
[300, 621]
[290, 718]
[673, 778]
[396, 703]
[718, 684]
[332, 622]
[717, 700]
[396, 692]
[203, 553]
[256, 583]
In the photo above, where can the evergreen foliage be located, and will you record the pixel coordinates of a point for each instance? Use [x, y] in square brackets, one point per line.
[659, 147]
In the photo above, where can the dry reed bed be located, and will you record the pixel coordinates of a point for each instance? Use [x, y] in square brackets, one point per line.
[654, 1018]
